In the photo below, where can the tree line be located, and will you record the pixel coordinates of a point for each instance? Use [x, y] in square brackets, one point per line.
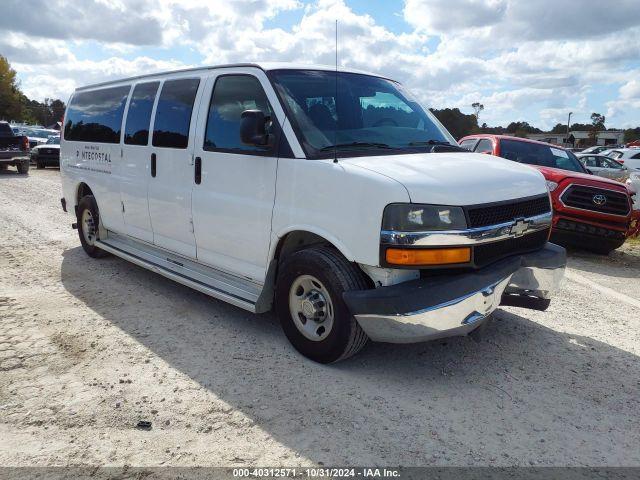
[15, 106]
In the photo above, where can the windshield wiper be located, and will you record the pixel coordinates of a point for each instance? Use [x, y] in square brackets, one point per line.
[355, 145]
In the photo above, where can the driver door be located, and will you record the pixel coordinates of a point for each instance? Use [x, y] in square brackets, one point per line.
[234, 184]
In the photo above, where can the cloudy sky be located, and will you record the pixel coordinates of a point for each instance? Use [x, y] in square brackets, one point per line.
[523, 59]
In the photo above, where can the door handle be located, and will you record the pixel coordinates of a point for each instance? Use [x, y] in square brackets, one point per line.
[153, 165]
[198, 170]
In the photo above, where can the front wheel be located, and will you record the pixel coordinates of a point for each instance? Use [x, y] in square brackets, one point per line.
[310, 307]
[88, 226]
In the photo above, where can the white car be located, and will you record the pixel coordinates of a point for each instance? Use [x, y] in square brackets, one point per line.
[604, 166]
[38, 136]
[630, 157]
[333, 197]
[595, 150]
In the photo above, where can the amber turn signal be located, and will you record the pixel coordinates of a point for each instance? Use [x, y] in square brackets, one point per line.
[433, 256]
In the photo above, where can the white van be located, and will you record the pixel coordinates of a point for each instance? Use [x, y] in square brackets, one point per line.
[333, 197]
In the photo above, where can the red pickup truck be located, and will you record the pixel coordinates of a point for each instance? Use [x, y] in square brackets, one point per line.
[589, 212]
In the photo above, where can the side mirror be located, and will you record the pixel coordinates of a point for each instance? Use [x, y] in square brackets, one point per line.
[253, 128]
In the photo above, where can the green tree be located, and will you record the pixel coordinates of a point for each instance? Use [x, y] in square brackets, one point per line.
[458, 123]
[597, 124]
[631, 134]
[477, 108]
[10, 95]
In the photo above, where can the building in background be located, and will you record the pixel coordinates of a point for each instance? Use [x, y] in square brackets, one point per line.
[580, 138]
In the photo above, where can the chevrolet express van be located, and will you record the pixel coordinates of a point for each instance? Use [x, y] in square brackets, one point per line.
[333, 197]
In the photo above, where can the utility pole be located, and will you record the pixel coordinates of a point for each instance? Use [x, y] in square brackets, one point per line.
[568, 122]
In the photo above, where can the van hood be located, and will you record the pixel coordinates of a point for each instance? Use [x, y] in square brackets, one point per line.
[456, 178]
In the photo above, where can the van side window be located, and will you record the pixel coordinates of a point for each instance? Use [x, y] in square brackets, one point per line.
[173, 114]
[232, 95]
[96, 116]
[136, 131]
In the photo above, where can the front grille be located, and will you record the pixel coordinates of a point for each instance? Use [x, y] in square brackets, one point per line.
[491, 252]
[587, 229]
[583, 197]
[483, 215]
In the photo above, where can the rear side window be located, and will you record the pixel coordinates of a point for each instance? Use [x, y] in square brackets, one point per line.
[636, 156]
[468, 144]
[96, 116]
[232, 95]
[173, 114]
[5, 130]
[484, 145]
[136, 131]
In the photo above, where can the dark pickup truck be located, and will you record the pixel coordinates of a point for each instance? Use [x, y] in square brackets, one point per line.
[14, 149]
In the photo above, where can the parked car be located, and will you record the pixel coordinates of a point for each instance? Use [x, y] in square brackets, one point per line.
[630, 157]
[39, 136]
[604, 166]
[361, 221]
[14, 149]
[48, 154]
[595, 150]
[590, 212]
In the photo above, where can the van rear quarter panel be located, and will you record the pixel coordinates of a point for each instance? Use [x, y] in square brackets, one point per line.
[340, 202]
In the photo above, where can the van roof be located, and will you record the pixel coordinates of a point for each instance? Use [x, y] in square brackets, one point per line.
[266, 66]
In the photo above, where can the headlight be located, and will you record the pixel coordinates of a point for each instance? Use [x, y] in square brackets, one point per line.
[551, 185]
[407, 217]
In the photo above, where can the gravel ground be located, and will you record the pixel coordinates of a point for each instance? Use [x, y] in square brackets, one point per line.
[90, 347]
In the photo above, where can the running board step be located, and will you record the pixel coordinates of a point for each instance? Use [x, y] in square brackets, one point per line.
[237, 291]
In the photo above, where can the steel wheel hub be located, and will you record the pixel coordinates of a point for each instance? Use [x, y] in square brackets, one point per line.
[88, 227]
[311, 308]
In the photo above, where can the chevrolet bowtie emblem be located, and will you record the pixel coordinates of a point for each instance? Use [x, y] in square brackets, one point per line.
[519, 228]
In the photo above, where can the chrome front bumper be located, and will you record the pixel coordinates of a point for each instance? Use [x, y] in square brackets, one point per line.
[455, 305]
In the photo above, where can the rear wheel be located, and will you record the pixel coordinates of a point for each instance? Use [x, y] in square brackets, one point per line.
[310, 307]
[88, 226]
[23, 167]
[39, 165]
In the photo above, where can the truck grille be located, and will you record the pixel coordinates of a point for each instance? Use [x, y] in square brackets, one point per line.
[483, 215]
[491, 252]
[584, 197]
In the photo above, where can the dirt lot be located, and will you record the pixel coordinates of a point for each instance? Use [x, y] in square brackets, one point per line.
[90, 347]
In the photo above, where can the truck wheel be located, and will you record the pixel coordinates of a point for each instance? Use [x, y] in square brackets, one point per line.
[23, 167]
[88, 221]
[310, 307]
[39, 165]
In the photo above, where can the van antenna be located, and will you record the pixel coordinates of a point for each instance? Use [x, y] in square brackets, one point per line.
[335, 101]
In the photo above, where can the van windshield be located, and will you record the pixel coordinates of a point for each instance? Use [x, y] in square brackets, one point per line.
[368, 116]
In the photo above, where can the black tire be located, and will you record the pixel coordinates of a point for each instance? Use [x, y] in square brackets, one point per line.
[88, 202]
[23, 167]
[39, 165]
[346, 337]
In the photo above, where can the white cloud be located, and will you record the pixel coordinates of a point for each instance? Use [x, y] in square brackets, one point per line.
[514, 56]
